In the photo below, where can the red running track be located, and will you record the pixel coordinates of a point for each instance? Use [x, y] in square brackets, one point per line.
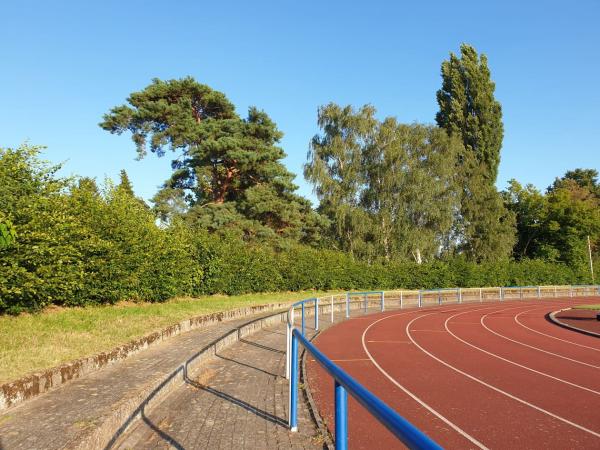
[485, 375]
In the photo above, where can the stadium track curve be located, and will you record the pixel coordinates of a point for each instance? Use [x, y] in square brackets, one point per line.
[478, 375]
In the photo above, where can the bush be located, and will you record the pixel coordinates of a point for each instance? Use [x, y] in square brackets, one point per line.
[77, 246]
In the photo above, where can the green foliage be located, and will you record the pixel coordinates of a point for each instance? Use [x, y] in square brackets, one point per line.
[469, 111]
[78, 245]
[555, 226]
[7, 233]
[584, 178]
[228, 170]
[236, 268]
[388, 188]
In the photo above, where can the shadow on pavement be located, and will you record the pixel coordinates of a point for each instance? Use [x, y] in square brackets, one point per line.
[236, 401]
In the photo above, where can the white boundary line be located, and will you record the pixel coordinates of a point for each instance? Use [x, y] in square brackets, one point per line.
[508, 360]
[413, 396]
[553, 337]
[494, 388]
[531, 346]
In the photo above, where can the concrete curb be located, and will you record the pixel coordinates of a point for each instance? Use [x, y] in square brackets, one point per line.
[16, 392]
[552, 318]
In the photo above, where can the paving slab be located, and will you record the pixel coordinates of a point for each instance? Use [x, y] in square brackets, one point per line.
[239, 399]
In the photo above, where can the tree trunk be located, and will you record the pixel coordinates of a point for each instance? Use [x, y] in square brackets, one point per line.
[417, 256]
[225, 185]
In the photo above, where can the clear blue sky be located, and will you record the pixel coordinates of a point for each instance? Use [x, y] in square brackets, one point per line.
[64, 64]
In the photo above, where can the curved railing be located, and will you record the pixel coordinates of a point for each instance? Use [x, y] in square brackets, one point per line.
[344, 383]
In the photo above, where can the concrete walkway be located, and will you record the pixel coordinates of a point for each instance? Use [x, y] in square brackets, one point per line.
[95, 411]
[238, 400]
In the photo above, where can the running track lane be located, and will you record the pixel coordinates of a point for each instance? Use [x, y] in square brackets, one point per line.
[479, 375]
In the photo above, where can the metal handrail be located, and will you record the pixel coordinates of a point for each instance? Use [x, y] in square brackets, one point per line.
[410, 435]
[405, 431]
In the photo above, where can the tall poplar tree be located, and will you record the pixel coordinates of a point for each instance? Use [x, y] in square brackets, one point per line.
[469, 110]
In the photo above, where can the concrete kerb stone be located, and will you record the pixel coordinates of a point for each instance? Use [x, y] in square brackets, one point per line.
[312, 406]
[552, 318]
[30, 386]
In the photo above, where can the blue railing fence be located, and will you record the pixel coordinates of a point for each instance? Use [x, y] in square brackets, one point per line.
[362, 301]
[344, 384]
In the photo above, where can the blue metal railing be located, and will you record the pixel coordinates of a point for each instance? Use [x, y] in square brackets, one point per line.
[344, 383]
[411, 436]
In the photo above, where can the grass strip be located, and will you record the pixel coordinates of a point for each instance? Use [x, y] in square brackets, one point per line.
[33, 342]
[595, 307]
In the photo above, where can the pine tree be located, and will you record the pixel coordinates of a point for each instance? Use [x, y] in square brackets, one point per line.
[228, 170]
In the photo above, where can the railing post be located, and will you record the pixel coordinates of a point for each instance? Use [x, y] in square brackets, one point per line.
[382, 301]
[570, 291]
[289, 347]
[316, 313]
[303, 319]
[554, 291]
[480, 295]
[287, 351]
[419, 298]
[366, 300]
[439, 296]
[341, 417]
[401, 300]
[539, 292]
[332, 309]
[459, 295]
[501, 293]
[293, 414]
[347, 305]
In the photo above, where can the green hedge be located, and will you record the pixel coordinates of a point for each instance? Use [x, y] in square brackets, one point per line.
[78, 245]
[236, 268]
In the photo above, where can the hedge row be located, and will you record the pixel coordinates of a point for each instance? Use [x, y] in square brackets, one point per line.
[76, 244]
[235, 268]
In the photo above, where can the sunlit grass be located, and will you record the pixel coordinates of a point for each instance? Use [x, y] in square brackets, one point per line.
[32, 342]
[595, 307]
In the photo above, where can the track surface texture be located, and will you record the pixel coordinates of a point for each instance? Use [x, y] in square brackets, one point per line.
[478, 375]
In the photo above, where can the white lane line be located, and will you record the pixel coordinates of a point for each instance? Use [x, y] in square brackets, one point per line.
[346, 360]
[494, 388]
[413, 396]
[550, 336]
[391, 342]
[510, 361]
[533, 347]
[432, 331]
